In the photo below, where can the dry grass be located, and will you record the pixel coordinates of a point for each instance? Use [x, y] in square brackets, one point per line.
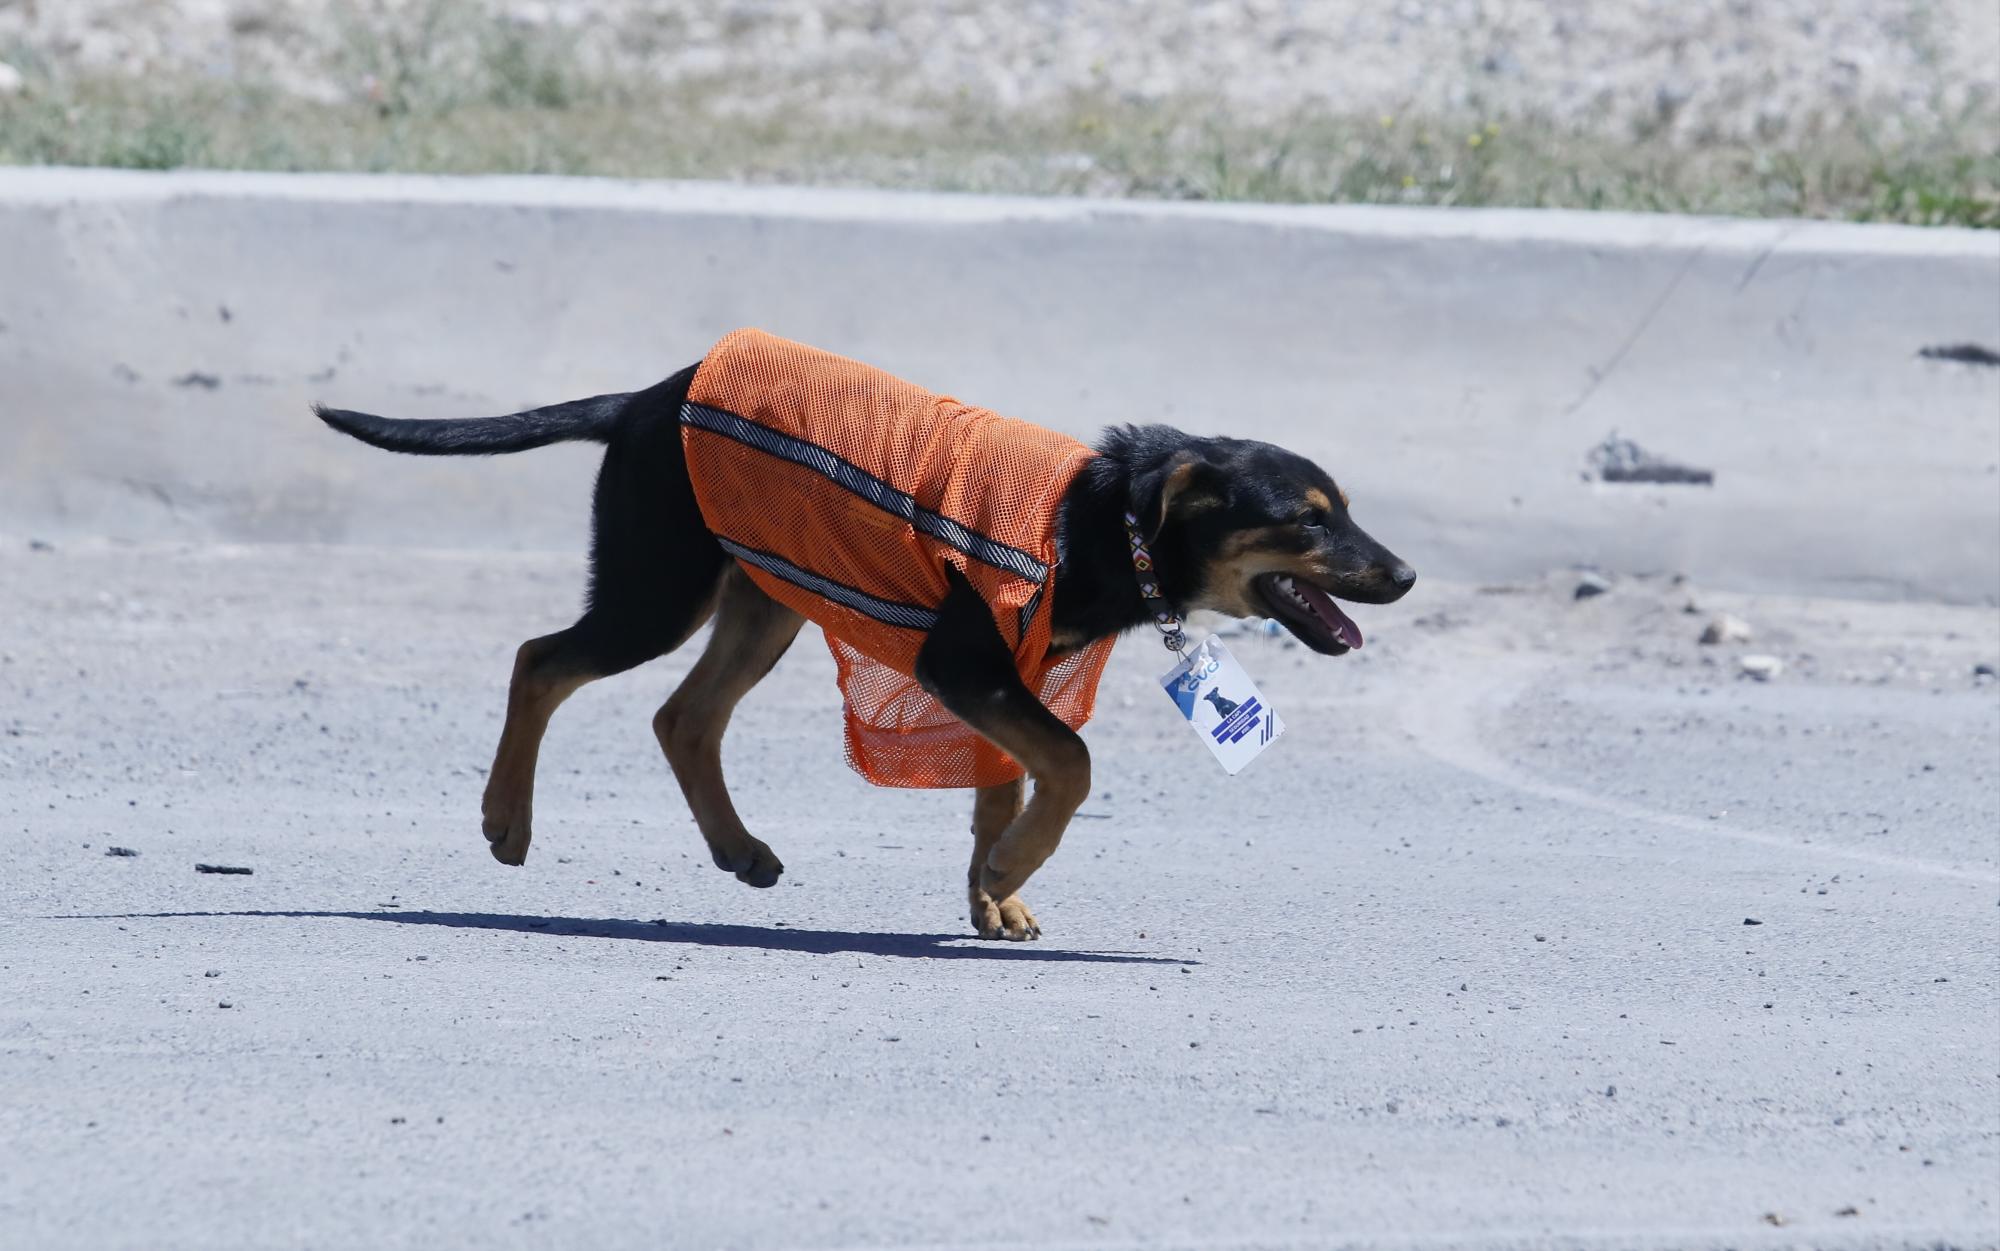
[514, 105]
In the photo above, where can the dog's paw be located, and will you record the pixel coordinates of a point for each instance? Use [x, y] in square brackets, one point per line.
[754, 863]
[1009, 918]
[508, 833]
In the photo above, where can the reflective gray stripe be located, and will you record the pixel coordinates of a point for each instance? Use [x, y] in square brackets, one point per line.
[867, 486]
[1027, 617]
[909, 616]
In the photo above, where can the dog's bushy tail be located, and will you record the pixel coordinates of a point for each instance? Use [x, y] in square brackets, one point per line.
[593, 419]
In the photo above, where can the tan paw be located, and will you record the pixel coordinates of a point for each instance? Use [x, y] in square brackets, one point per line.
[1009, 918]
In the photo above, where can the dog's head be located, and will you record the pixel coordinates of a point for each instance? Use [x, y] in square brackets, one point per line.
[1252, 530]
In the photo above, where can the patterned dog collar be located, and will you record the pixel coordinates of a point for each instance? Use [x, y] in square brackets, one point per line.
[1164, 616]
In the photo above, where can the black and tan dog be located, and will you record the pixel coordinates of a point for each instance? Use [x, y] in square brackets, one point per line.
[1235, 526]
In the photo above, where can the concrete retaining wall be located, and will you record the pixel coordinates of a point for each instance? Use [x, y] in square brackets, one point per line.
[162, 334]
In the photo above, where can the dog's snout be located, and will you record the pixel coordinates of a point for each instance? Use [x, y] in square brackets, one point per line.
[1402, 576]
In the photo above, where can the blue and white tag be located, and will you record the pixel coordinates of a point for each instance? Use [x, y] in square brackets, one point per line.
[1222, 705]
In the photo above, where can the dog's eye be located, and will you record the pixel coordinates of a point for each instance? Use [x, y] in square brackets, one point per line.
[1313, 520]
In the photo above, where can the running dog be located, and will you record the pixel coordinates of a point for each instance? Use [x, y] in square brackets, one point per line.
[969, 572]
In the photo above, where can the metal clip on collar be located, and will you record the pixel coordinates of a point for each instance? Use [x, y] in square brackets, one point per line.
[1164, 616]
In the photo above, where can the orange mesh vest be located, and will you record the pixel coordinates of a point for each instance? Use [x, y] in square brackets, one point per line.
[844, 492]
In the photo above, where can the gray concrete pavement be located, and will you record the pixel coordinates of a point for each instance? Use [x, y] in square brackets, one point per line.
[1463, 962]
[160, 335]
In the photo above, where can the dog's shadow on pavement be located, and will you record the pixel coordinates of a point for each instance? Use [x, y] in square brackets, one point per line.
[701, 934]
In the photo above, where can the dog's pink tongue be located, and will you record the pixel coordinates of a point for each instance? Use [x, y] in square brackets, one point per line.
[1329, 612]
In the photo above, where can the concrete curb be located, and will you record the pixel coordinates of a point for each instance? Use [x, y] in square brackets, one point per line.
[59, 186]
[162, 334]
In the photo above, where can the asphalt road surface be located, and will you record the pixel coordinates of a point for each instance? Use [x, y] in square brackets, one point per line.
[1543, 926]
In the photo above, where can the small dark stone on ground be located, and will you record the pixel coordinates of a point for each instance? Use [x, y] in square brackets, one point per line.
[1751, 921]
[196, 378]
[1663, 474]
[1589, 584]
[220, 868]
[119, 851]
[1963, 353]
[1621, 460]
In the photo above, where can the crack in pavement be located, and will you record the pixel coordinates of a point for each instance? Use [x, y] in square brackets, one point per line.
[1600, 374]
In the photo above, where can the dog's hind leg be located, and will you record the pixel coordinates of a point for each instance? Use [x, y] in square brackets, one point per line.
[654, 574]
[547, 671]
[967, 665]
[752, 631]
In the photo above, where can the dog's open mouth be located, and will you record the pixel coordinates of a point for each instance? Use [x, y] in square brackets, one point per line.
[1309, 613]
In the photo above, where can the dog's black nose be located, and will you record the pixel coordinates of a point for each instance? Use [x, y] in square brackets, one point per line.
[1404, 577]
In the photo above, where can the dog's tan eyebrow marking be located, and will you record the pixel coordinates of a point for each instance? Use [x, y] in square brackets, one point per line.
[1264, 537]
[1317, 498]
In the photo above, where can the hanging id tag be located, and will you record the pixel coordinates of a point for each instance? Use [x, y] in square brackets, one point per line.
[1222, 705]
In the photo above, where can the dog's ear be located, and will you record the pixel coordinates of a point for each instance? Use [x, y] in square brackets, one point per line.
[1183, 483]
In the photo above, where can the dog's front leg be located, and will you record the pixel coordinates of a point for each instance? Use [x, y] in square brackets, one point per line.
[992, 812]
[966, 664]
